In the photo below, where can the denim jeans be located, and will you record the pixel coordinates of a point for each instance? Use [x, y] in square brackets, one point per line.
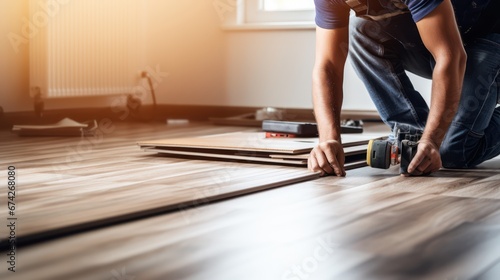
[382, 51]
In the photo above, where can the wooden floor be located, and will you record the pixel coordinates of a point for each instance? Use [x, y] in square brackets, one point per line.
[94, 210]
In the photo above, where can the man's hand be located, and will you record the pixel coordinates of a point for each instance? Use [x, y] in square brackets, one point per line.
[427, 159]
[327, 91]
[440, 34]
[328, 158]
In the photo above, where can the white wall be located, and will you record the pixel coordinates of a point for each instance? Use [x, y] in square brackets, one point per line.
[206, 65]
[183, 38]
[269, 68]
[14, 66]
[273, 68]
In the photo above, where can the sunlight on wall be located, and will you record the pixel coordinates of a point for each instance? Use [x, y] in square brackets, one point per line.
[83, 47]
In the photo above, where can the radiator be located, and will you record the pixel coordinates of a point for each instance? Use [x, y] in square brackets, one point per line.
[83, 47]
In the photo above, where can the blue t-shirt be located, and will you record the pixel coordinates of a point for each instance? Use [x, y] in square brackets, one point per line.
[331, 14]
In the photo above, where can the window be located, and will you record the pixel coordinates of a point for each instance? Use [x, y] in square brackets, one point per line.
[265, 14]
[287, 5]
[278, 11]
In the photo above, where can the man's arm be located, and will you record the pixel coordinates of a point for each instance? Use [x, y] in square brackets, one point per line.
[440, 34]
[328, 76]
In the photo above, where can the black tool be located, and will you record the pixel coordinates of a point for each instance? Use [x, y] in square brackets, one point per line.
[384, 153]
[302, 129]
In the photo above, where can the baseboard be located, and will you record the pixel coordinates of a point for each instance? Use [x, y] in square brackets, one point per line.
[161, 114]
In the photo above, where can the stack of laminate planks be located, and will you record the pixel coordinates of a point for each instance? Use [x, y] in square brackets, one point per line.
[255, 147]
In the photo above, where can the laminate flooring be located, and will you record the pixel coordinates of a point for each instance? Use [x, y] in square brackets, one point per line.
[373, 224]
[70, 184]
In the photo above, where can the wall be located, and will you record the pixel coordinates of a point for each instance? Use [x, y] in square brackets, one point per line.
[182, 38]
[270, 68]
[14, 66]
[273, 68]
[277, 70]
[205, 65]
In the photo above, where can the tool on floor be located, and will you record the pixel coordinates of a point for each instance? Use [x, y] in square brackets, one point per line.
[384, 153]
[287, 129]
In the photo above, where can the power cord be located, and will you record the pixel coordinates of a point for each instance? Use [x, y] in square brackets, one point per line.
[151, 87]
[134, 103]
[38, 103]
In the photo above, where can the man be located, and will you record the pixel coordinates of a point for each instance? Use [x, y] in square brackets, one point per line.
[455, 44]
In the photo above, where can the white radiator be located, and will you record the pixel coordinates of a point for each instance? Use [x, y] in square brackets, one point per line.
[83, 47]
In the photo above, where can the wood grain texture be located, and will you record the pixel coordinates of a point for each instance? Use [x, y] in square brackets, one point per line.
[352, 154]
[254, 142]
[373, 224]
[255, 147]
[115, 181]
[369, 225]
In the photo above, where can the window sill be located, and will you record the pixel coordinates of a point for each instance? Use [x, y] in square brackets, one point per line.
[306, 25]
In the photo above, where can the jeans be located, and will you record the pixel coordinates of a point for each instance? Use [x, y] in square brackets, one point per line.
[382, 51]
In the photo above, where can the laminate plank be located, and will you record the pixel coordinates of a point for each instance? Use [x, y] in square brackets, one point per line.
[488, 187]
[61, 183]
[254, 142]
[491, 273]
[227, 157]
[352, 150]
[73, 149]
[170, 238]
[463, 253]
[406, 227]
[463, 183]
[361, 232]
[373, 224]
[74, 202]
[66, 188]
[493, 218]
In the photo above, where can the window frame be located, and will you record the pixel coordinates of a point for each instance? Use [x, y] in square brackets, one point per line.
[249, 16]
[254, 13]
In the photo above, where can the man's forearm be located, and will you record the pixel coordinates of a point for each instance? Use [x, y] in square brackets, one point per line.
[327, 99]
[446, 91]
[441, 37]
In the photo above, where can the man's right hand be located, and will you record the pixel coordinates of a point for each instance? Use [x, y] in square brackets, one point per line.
[328, 158]
[327, 91]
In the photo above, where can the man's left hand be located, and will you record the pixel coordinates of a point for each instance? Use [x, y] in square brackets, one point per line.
[427, 159]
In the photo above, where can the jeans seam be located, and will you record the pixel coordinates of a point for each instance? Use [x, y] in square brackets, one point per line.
[475, 134]
[489, 41]
[474, 156]
[486, 97]
[494, 147]
[488, 150]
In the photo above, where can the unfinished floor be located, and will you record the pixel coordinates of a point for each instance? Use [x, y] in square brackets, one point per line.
[96, 209]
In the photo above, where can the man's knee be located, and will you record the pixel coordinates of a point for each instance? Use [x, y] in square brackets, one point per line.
[460, 152]
[452, 155]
